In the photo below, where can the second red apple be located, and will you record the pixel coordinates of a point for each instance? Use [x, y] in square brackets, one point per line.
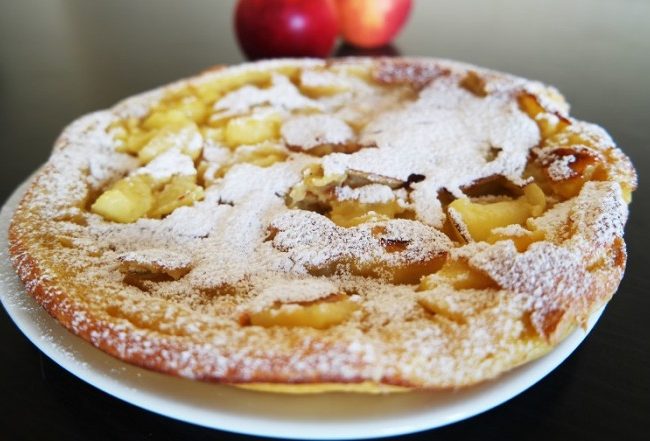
[371, 23]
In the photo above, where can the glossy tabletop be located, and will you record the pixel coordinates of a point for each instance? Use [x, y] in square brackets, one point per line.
[60, 59]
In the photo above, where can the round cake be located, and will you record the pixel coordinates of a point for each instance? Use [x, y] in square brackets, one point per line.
[306, 225]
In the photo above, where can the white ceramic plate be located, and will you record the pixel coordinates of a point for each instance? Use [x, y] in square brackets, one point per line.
[325, 416]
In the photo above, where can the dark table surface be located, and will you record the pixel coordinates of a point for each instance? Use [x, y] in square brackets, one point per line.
[60, 59]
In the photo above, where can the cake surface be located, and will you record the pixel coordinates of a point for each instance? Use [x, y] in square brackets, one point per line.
[369, 223]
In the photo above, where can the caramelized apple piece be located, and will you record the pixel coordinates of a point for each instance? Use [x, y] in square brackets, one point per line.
[175, 109]
[407, 273]
[535, 198]
[209, 91]
[474, 84]
[549, 123]
[262, 155]
[192, 108]
[155, 261]
[479, 219]
[126, 201]
[458, 274]
[163, 118]
[626, 190]
[521, 237]
[135, 141]
[214, 134]
[252, 129]
[443, 307]
[319, 315]
[350, 213]
[184, 135]
[529, 104]
[314, 192]
[180, 191]
[317, 83]
[586, 165]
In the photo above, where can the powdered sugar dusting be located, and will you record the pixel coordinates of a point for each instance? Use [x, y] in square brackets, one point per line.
[151, 259]
[560, 168]
[282, 95]
[514, 230]
[313, 130]
[368, 194]
[550, 279]
[168, 164]
[314, 241]
[445, 136]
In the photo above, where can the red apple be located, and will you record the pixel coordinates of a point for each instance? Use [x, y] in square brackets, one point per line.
[371, 23]
[286, 28]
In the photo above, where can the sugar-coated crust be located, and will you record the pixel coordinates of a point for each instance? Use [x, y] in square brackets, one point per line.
[522, 320]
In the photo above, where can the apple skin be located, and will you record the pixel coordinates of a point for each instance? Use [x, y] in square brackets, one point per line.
[286, 28]
[372, 23]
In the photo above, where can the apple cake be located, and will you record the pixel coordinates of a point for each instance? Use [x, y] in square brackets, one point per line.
[307, 225]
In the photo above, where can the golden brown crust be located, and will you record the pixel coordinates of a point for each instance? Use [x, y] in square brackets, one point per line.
[345, 357]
